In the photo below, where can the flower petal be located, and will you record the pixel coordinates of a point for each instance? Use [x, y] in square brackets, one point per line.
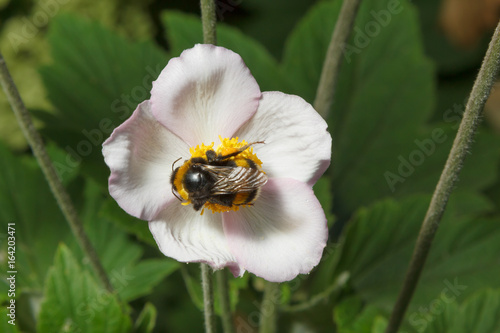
[282, 235]
[206, 92]
[185, 235]
[297, 143]
[140, 153]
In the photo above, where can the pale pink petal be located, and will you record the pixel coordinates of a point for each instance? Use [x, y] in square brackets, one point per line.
[206, 92]
[185, 235]
[297, 143]
[140, 153]
[282, 235]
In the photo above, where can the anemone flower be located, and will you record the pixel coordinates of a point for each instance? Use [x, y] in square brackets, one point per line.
[208, 96]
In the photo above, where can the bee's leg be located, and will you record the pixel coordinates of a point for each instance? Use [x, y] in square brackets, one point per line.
[197, 204]
[211, 156]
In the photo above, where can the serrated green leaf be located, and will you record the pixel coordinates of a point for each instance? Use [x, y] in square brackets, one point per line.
[184, 31]
[384, 96]
[379, 241]
[480, 313]
[96, 80]
[74, 302]
[384, 92]
[130, 276]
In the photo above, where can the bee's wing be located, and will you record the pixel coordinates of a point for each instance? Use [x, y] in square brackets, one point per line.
[230, 179]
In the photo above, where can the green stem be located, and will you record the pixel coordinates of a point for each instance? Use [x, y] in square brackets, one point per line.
[268, 308]
[333, 59]
[208, 298]
[225, 303]
[336, 286]
[461, 146]
[38, 148]
[208, 20]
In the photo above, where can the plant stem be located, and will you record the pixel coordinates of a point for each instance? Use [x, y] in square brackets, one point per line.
[208, 298]
[63, 200]
[269, 308]
[461, 146]
[208, 20]
[333, 59]
[336, 286]
[225, 303]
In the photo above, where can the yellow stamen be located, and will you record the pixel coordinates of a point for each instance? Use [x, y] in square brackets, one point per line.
[226, 147]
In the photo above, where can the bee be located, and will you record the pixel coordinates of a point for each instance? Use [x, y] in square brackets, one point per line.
[218, 179]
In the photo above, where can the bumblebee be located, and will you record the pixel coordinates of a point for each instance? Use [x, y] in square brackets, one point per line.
[225, 180]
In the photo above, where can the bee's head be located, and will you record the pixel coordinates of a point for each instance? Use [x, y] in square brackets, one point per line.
[190, 183]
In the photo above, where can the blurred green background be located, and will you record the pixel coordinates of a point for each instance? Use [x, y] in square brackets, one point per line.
[82, 67]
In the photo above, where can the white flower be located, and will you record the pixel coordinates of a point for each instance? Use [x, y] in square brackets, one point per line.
[205, 94]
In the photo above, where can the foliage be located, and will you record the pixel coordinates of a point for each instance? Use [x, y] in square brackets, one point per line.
[393, 122]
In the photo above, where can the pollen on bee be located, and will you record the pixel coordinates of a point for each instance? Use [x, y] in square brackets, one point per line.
[230, 153]
[215, 208]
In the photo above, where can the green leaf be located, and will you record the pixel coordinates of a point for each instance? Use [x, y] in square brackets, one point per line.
[146, 321]
[479, 170]
[345, 312]
[112, 212]
[184, 31]
[144, 275]
[193, 286]
[382, 144]
[96, 80]
[264, 20]
[384, 93]
[351, 316]
[59, 157]
[480, 313]
[26, 201]
[324, 193]
[379, 241]
[74, 302]
[130, 276]
[379, 324]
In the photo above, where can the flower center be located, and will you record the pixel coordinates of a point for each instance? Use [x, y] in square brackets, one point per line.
[213, 178]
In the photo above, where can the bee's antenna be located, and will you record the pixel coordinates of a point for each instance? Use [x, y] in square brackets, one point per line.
[177, 160]
[242, 149]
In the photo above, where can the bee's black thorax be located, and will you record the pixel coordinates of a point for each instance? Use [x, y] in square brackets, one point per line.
[204, 180]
